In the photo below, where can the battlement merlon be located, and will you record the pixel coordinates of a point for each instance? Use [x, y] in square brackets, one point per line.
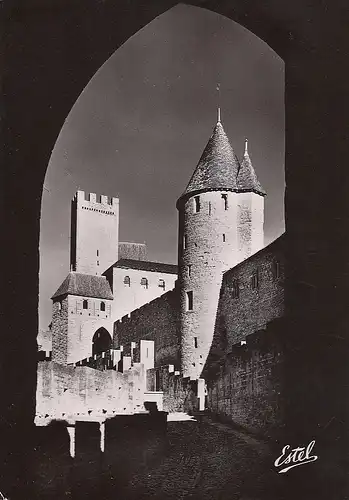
[82, 198]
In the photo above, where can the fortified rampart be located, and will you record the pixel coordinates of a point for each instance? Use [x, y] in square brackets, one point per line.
[75, 392]
[179, 393]
[248, 385]
[252, 295]
[156, 321]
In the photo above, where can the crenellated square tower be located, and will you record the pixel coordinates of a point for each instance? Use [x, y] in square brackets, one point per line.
[94, 233]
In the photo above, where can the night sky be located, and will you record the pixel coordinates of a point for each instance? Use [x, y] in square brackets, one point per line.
[139, 127]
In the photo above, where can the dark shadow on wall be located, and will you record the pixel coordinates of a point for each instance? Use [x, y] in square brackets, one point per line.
[52, 51]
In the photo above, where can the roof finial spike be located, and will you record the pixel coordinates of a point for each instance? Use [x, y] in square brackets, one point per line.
[218, 107]
[246, 146]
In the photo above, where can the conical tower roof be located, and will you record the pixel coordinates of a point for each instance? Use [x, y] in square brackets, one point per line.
[218, 166]
[247, 178]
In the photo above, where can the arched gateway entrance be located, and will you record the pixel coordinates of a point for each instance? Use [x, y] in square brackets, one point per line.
[101, 341]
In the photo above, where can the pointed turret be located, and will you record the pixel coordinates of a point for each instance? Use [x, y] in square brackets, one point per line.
[247, 178]
[218, 166]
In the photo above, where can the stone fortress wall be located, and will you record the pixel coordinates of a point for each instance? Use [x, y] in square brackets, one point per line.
[252, 295]
[244, 367]
[156, 321]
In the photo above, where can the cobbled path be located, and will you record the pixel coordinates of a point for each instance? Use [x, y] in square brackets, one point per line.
[207, 461]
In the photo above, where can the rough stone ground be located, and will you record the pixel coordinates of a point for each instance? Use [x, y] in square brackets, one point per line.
[192, 460]
[206, 461]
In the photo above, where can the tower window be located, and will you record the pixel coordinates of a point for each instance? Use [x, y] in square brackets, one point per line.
[225, 201]
[127, 281]
[97, 253]
[85, 304]
[235, 291]
[195, 342]
[59, 306]
[189, 270]
[276, 269]
[185, 241]
[162, 284]
[102, 306]
[254, 280]
[197, 203]
[209, 208]
[223, 237]
[189, 301]
[144, 283]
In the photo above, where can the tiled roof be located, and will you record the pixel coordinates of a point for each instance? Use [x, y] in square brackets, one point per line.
[219, 169]
[218, 165]
[85, 285]
[136, 251]
[247, 178]
[142, 265]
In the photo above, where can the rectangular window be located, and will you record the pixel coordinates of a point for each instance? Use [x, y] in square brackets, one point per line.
[225, 201]
[189, 270]
[97, 253]
[144, 283]
[209, 208]
[223, 238]
[197, 203]
[235, 289]
[185, 241]
[162, 284]
[195, 342]
[189, 301]
[254, 280]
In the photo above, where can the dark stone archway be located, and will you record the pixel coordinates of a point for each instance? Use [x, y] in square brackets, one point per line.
[51, 52]
[101, 341]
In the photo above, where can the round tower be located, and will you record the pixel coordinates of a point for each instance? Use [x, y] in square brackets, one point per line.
[220, 224]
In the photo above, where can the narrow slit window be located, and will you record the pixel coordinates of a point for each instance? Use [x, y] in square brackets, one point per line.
[189, 301]
[189, 270]
[223, 237]
[127, 281]
[97, 253]
[276, 269]
[254, 280]
[102, 306]
[225, 201]
[209, 208]
[59, 306]
[85, 304]
[197, 203]
[195, 342]
[185, 241]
